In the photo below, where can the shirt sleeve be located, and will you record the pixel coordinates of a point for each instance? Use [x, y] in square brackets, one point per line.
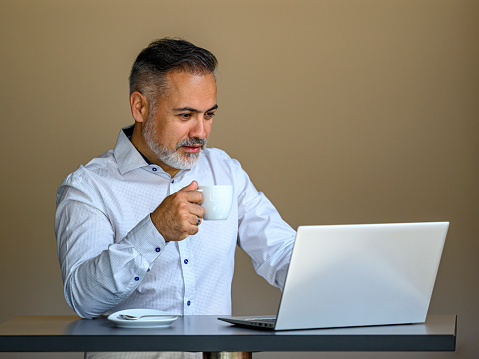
[262, 233]
[98, 273]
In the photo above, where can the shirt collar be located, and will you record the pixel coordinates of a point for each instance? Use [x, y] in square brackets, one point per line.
[126, 155]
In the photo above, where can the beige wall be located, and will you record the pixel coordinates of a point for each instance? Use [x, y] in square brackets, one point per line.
[341, 112]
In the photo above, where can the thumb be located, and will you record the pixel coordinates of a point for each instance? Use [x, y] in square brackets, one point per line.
[191, 187]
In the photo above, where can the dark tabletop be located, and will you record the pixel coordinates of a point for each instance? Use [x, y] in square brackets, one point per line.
[205, 333]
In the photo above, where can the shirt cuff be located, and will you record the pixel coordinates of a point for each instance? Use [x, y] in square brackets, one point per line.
[147, 240]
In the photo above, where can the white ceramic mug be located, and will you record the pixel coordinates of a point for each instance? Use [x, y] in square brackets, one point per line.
[217, 201]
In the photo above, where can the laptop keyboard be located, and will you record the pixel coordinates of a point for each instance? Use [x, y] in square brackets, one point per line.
[265, 320]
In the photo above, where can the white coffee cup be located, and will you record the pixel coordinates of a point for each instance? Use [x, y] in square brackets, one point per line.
[217, 201]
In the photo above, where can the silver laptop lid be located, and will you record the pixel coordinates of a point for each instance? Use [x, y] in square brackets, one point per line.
[356, 275]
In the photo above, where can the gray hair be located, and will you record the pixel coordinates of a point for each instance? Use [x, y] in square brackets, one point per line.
[148, 74]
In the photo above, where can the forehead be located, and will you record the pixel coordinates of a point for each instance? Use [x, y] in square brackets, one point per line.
[190, 89]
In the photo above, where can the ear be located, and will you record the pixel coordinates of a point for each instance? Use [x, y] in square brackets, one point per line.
[139, 106]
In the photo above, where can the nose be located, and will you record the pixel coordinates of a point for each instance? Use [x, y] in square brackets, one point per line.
[199, 128]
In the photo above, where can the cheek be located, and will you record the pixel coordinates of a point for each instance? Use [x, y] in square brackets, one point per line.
[170, 135]
[208, 128]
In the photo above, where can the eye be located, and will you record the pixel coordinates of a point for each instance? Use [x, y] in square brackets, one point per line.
[209, 115]
[185, 116]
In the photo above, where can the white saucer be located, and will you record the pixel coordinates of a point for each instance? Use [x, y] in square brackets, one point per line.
[148, 322]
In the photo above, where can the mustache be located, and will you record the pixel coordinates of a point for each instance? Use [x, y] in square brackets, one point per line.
[191, 142]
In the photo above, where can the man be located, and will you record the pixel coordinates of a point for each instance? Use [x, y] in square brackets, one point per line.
[129, 224]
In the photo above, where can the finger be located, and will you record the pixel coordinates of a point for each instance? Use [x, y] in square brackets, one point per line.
[191, 193]
[194, 230]
[191, 187]
[197, 210]
[194, 197]
[197, 221]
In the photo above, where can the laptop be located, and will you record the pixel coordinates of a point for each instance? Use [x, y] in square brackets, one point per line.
[357, 275]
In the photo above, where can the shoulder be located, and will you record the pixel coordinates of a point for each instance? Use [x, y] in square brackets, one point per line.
[86, 175]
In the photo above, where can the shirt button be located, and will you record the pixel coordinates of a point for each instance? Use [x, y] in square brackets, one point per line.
[173, 181]
[186, 261]
[154, 169]
[137, 278]
[188, 303]
[158, 249]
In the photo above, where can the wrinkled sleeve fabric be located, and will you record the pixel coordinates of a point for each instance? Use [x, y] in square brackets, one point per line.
[262, 233]
[98, 273]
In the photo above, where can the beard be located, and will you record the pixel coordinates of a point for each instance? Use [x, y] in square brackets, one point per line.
[172, 157]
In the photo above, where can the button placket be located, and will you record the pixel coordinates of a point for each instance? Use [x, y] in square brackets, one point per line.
[188, 276]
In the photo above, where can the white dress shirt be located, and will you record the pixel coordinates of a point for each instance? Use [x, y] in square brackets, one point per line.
[112, 257]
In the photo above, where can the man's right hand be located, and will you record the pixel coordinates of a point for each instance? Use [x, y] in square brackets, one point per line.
[177, 216]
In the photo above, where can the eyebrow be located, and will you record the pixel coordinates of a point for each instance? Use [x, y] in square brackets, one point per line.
[190, 109]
